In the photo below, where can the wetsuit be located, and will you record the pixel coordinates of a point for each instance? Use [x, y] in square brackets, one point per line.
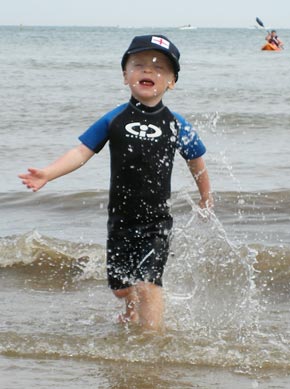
[142, 143]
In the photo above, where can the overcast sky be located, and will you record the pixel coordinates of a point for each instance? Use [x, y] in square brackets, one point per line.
[146, 13]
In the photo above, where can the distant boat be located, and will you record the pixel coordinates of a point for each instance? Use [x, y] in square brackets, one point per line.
[187, 27]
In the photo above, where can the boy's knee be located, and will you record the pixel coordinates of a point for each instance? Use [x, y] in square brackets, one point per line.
[124, 293]
[120, 293]
[142, 290]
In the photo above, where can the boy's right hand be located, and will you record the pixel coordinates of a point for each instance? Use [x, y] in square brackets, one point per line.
[35, 179]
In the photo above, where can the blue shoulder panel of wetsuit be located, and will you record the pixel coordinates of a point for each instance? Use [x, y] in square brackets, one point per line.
[96, 136]
[190, 145]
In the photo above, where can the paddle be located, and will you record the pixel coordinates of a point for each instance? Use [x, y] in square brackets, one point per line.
[259, 21]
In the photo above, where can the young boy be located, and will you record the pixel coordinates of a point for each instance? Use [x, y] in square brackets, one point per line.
[143, 135]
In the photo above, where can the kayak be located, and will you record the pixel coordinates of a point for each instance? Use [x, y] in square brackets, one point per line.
[271, 47]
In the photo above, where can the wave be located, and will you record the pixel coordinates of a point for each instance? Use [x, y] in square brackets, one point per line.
[230, 201]
[55, 199]
[206, 245]
[50, 261]
[67, 65]
[175, 350]
[234, 121]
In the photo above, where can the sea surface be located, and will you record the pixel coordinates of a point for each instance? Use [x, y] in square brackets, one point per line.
[227, 282]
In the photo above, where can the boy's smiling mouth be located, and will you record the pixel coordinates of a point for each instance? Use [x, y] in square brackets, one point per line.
[146, 82]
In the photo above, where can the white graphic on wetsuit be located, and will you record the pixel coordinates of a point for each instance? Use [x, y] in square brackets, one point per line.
[143, 131]
[146, 256]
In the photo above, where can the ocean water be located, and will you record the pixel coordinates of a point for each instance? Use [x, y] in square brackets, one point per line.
[226, 284]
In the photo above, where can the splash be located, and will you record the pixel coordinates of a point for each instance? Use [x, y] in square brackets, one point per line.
[210, 280]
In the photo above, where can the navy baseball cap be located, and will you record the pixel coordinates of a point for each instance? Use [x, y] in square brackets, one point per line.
[154, 42]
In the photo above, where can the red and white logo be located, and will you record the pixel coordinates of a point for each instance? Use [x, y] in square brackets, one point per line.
[160, 41]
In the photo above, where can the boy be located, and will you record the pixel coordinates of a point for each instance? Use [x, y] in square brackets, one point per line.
[143, 135]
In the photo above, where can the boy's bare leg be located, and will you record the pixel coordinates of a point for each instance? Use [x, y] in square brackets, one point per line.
[151, 305]
[131, 301]
[144, 305]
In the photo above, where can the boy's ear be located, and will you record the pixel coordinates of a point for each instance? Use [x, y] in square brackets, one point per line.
[125, 77]
[171, 83]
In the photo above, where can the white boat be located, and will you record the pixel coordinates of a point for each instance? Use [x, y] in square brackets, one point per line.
[187, 27]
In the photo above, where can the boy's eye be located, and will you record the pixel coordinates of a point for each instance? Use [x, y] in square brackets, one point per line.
[137, 64]
[154, 64]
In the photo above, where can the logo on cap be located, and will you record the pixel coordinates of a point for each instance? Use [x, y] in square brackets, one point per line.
[160, 41]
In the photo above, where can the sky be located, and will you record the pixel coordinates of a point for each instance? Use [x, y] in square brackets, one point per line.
[146, 13]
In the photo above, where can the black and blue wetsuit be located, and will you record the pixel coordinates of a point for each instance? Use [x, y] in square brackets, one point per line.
[142, 142]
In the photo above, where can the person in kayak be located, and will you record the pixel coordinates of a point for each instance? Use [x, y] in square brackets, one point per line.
[273, 39]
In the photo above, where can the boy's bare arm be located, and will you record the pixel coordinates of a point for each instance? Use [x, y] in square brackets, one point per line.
[198, 169]
[70, 161]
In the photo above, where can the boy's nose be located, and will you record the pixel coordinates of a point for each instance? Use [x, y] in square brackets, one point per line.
[147, 69]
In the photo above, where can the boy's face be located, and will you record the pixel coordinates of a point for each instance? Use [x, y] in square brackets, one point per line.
[149, 74]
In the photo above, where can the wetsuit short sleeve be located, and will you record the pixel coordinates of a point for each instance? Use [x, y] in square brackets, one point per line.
[96, 136]
[189, 144]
